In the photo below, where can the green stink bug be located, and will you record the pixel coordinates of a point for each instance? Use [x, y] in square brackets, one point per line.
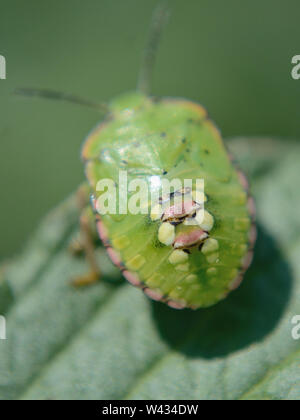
[186, 254]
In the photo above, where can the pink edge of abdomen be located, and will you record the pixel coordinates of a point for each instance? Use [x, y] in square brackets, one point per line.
[133, 278]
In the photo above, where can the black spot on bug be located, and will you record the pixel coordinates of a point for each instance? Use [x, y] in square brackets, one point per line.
[193, 121]
[187, 251]
[188, 150]
[156, 99]
[124, 162]
[183, 140]
[207, 152]
[176, 223]
[106, 244]
[163, 134]
[200, 246]
[165, 172]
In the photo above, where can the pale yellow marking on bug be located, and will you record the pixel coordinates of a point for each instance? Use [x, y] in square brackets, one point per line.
[238, 249]
[156, 212]
[210, 245]
[155, 280]
[196, 287]
[212, 258]
[121, 242]
[178, 256]
[192, 290]
[191, 278]
[233, 273]
[166, 233]
[176, 293]
[241, 198]
[242, 224]
[207, 222]
[182, 267]
[242, 249]
[136, 262]
[212, 271]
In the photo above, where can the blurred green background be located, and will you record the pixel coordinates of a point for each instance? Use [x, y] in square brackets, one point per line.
[233, 56]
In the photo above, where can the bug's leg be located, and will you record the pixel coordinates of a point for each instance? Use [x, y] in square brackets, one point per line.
[88, 245]
[76, 246]
[87, 240]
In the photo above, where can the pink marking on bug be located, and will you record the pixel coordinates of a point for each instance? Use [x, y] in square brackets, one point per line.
[186, 240]
[153, 294]
[102, 231]
[251, 208]
[253, 231]
[236, 282]
[133, 278]
[223, 296]
[243, 180]
[115, 257]
[247, 260]
[252, 235]
[179, 210]
[176, 305]
[231, 156]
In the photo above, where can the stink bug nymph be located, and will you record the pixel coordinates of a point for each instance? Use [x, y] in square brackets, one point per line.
[171, 253]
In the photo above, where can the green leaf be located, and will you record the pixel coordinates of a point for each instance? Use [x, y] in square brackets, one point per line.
[109, 341]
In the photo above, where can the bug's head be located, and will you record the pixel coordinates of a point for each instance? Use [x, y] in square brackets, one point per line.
[128, 102]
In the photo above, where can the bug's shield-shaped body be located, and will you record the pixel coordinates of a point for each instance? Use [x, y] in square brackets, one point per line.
[186, 265]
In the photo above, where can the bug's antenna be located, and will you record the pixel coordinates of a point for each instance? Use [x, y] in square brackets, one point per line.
[54, 95]
[158, 23]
